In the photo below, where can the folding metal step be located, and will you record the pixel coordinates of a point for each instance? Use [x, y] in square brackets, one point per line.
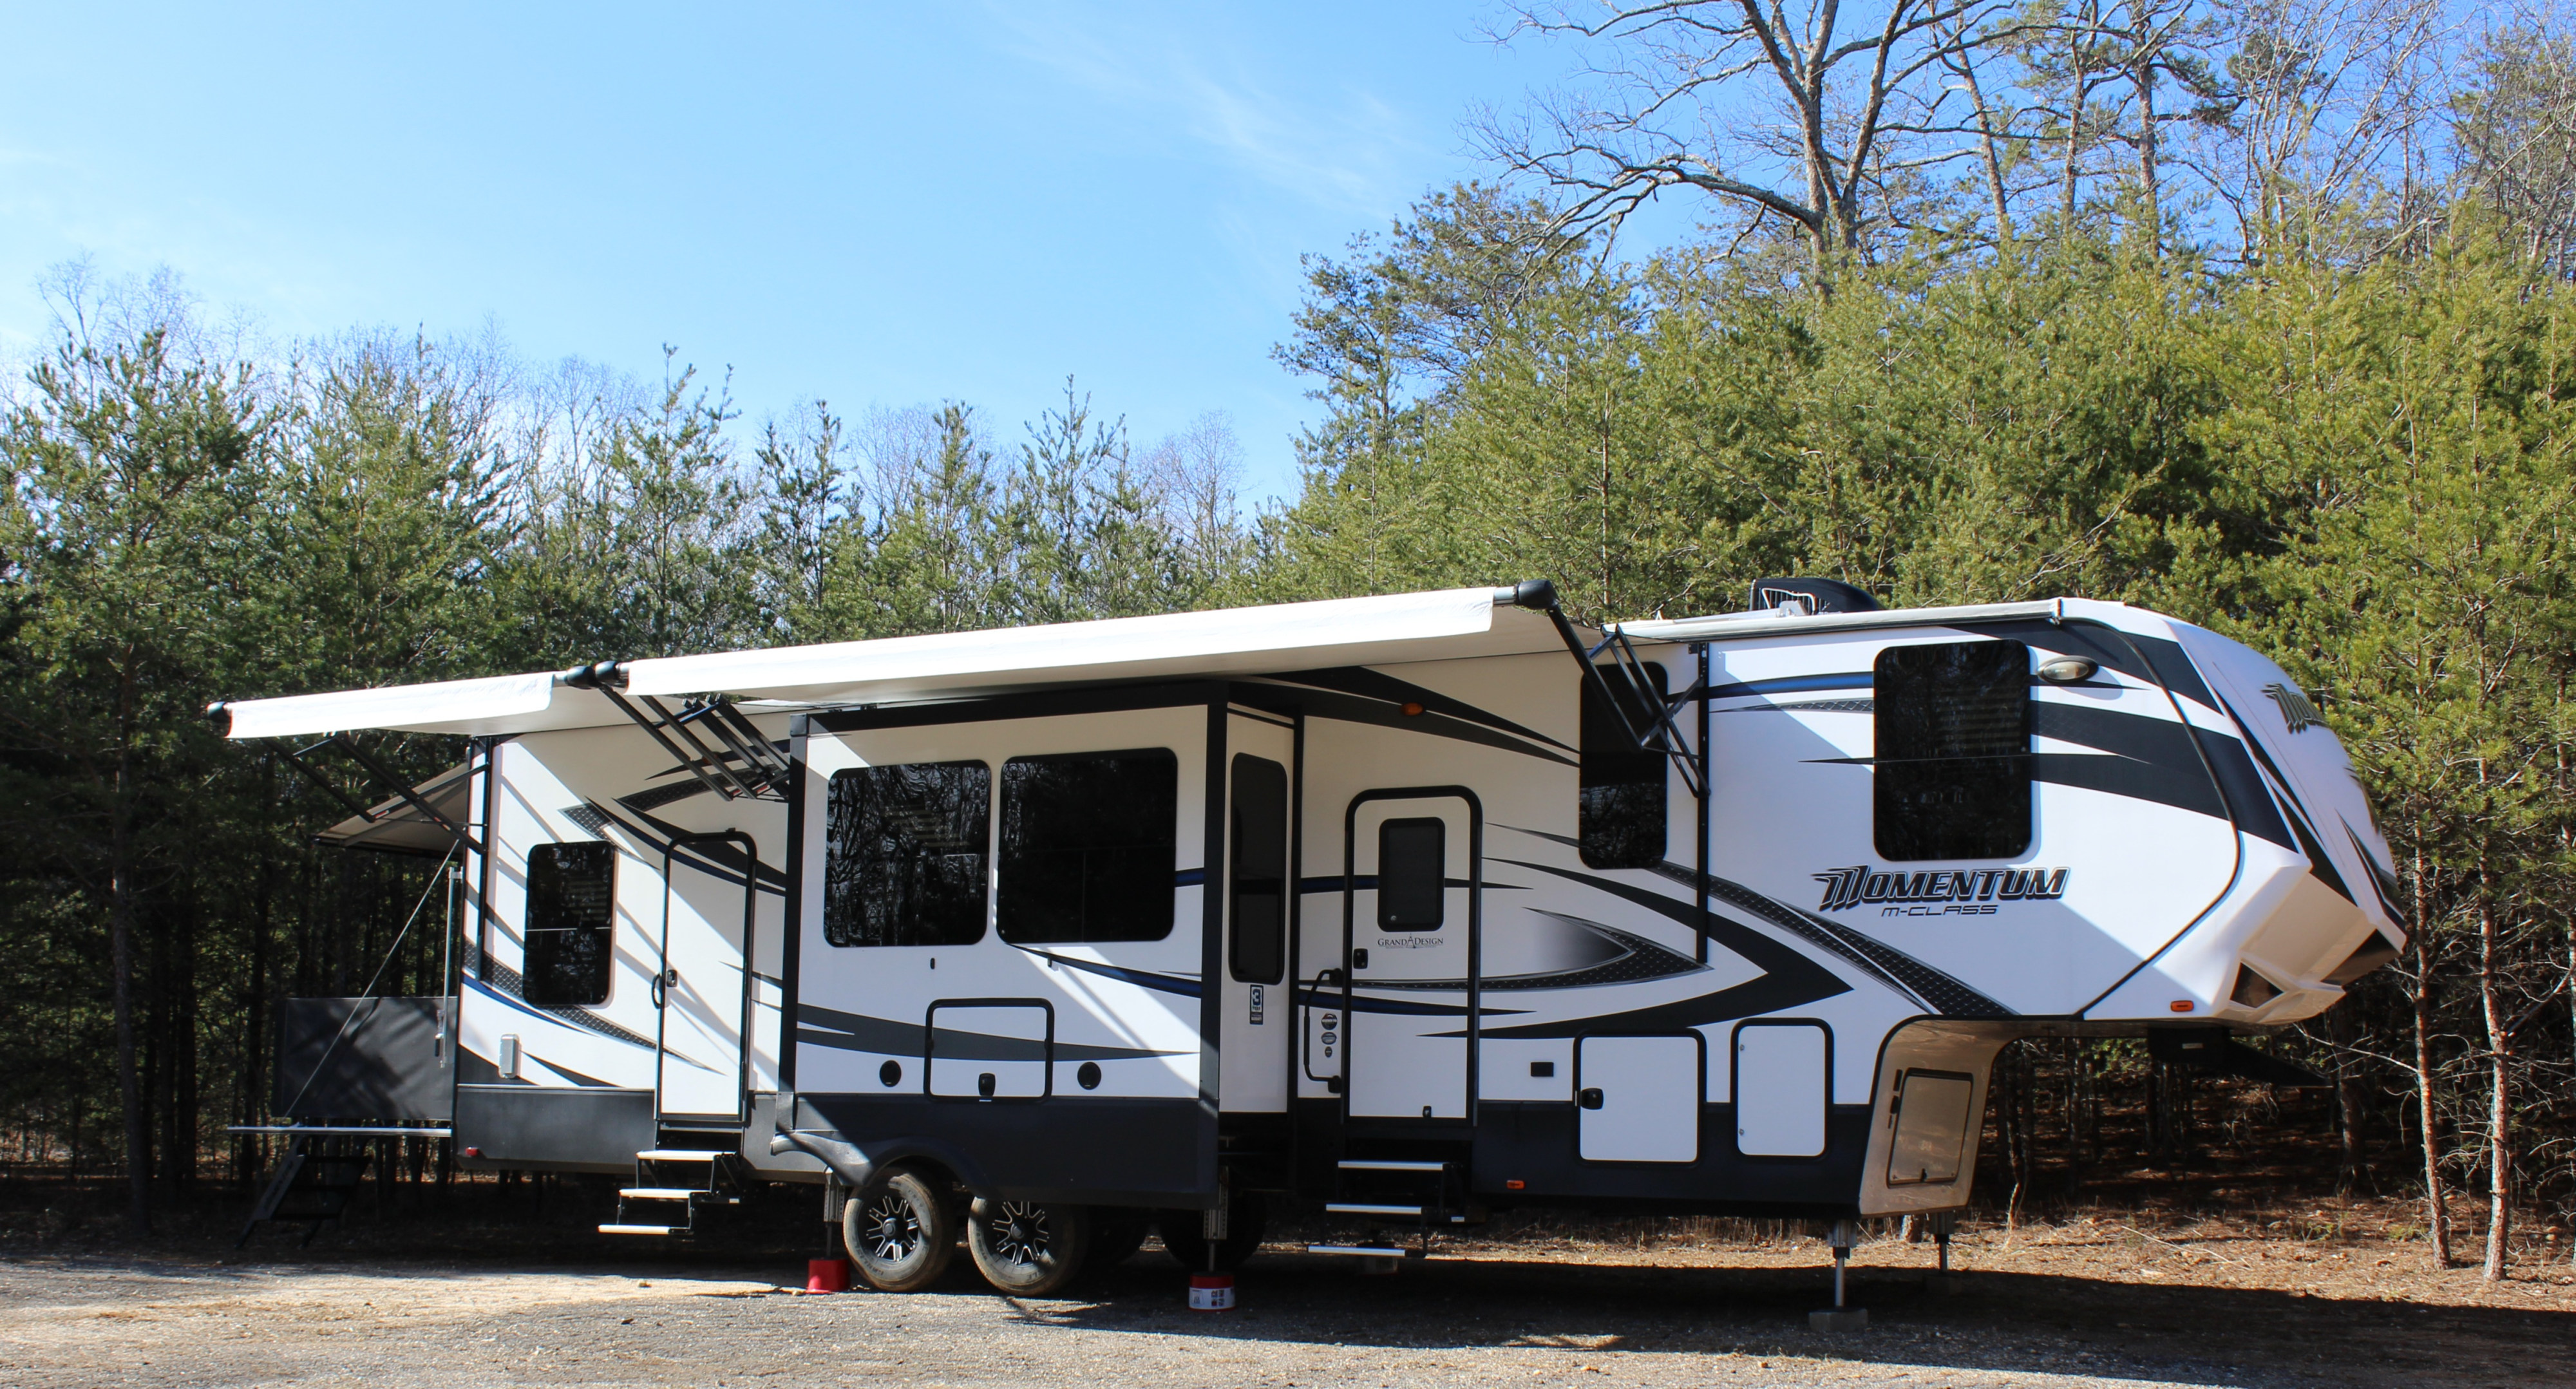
[1389, 1165]
[719, 1187]
[1365, 1251]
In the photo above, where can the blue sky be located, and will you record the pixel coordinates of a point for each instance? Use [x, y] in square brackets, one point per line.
[868, 203]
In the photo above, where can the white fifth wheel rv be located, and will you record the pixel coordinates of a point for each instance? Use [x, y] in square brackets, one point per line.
[1408, 907]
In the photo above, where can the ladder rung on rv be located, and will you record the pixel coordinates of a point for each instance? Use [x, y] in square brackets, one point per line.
[1390, 1165]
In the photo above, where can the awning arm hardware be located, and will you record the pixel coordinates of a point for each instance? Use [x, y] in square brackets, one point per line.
[1636, 692]
[378, 773]
[741, 764]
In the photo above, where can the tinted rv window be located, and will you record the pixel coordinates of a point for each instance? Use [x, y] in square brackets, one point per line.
[572, 891]
[904, 852]
[1087, 846]
[1622, 808]
[1953, 750]
[1410, 857]
[1257, 871]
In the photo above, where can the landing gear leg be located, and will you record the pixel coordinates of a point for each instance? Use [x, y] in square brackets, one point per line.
[1840, 1317]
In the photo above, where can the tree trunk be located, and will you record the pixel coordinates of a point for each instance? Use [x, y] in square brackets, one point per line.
[120, 930]
[2499, 1087]
[2437, 1210]
[2155, 217]
[2350, 1166]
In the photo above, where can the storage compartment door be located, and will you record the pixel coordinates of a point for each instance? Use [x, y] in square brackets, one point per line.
[1639, 1098]
[992, 1051]
[1781, 1072]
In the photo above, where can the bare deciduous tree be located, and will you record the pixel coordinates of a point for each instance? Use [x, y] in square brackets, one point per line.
[1798, 121]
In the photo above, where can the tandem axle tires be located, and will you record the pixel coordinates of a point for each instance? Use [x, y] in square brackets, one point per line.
[901, 1233]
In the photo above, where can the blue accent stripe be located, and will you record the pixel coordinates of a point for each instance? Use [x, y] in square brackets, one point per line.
[1165, 983]
[1795, 684]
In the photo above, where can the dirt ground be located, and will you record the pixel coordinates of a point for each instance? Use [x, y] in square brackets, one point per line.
[2327, 1295]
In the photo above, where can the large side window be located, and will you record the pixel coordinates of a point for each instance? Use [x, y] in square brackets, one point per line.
[904, 854]
[1412, 856]
[571, 925]
[1621, 815]
[1257, 871]
[1087, 847]
[1953, 750]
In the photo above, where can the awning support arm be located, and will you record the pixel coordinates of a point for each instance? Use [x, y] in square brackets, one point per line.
[1660, 733]
[403, 789]
[376, 772]
[709, 766]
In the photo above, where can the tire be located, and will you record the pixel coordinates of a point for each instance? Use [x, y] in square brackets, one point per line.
[1116, 1231]
[1244, 1225]
[900, 1233]
[1028, 1248]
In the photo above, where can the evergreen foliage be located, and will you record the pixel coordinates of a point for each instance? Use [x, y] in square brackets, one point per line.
[2339, 433]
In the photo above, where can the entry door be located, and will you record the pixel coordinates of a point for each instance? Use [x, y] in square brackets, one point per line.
[1412, 927]
[708, 900]
[1259, 1018]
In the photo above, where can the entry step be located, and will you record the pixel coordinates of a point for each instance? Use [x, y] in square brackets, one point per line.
[681, 1154]
[643, 1229]
[1390, 1165]
[676, 1193]
[1364, 1251]
[1361, 1208]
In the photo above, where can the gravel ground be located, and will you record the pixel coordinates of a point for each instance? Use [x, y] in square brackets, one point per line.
[2077, 1305]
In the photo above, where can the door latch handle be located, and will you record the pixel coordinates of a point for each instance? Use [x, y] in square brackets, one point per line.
[1589, 1098]
[1359, 959]
[664, 982]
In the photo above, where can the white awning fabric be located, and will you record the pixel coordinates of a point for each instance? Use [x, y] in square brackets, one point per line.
[1235, 641]
[1285, 636]
[448, 706]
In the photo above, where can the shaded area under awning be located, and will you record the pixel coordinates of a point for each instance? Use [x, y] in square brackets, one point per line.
[396, 826]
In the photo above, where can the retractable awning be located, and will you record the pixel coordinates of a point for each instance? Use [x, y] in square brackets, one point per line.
[395, 825]
[1232, 641]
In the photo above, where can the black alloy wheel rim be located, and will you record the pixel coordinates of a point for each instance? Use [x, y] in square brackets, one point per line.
[893, 1228]
[1021, 1234]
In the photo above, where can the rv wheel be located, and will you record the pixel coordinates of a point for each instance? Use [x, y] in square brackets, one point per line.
[901, 1235]
[1116, 1231]
[1182, 1237]
[1028, 1248]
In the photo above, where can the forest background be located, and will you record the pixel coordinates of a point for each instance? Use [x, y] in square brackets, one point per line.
[2253, 311]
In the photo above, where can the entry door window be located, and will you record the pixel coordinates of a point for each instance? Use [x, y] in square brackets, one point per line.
[572, 895]
[1088, 843]
[904, 854]
[1411, 857]
[1257, 871]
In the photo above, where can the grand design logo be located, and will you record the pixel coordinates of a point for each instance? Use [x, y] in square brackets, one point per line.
[1939, 892]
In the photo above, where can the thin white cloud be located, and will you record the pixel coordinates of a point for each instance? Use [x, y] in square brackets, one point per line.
[1353, 152]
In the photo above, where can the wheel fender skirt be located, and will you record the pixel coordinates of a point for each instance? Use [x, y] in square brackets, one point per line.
[844, 1158]
[858, 1166]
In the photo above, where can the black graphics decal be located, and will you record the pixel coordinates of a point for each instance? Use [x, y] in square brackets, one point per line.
[1884, 963]
[1938, 892]
[2296, 711]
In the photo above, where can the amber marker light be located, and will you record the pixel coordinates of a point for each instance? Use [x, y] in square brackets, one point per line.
[1412, 710]
[2180, 1005]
